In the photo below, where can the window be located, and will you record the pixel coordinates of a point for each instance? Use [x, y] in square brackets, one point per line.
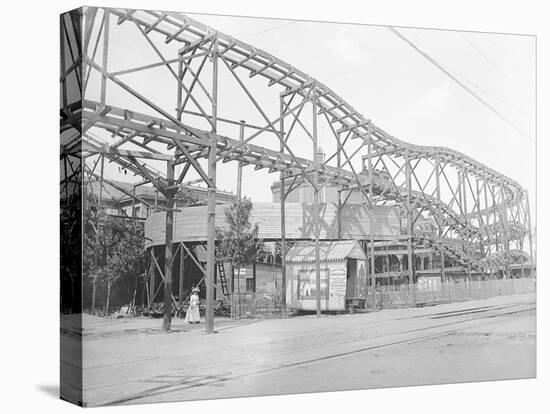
[307, 284]
[250, 284]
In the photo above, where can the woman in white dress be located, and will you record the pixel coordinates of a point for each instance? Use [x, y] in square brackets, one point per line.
[192, 315]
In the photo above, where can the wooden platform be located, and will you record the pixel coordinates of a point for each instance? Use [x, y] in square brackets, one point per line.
[190, 222]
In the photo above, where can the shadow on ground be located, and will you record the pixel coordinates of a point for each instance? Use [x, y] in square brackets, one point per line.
[51, 390]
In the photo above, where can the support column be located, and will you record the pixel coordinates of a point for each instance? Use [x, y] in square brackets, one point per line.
[339, 214]
[504, 218]
[283, 217]
[182, 270]
[529, 234]
[239, 165]
[152, 277]
[439, 225]
[467, 221]
[339, 166]
[133, 214]
[97, 225]
[103, 92]
[316, 206]
[371, 228]
[489, 230]
[410, 229]
[211, 224]
[168, 248]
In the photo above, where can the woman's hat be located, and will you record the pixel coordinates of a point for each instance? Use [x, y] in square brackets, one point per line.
[195, 289]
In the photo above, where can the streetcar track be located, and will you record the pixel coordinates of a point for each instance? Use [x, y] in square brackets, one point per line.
[186, 384]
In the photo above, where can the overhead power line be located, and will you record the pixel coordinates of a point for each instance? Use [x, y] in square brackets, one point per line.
[494, 65]
[460, 83]
[267, 30]
[377, 58]
[475, 85]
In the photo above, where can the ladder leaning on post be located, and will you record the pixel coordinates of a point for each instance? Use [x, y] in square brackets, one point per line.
[223, 280]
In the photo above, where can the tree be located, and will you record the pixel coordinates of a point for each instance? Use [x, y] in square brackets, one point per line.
[121, 251]
[239, 243]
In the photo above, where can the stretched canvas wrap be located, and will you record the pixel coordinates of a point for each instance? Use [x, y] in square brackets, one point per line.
[252, 206]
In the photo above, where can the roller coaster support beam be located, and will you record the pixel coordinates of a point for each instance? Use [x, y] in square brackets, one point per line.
[240, 165]
[211, 225]
[440, 226]
[504, 218]
[283, 218]
[409, 229]
[316, 205]
[468, 235]
[529, 235]
[339, 166]
[168, 248]
[371, 229]
[489, 232]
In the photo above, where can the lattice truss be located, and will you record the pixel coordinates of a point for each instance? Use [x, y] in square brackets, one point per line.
[175, 112]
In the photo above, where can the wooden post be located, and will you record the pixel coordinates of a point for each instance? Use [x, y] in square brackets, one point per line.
[94, 280]
[410, 230]
[283, 218]
[467, 221]
[105, 57]
[529, 235]
[211, 232]
[168, 262]
[152, 276]
[489, 231]
[239, 164]
[182, 269]
[339, 211]
[440, 226]
[371, 228]
[504, 218]
[133, 215]
[339, 215]
[316, 207]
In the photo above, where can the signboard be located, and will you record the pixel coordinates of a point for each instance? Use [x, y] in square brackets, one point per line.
[361, 279]
[338, 281]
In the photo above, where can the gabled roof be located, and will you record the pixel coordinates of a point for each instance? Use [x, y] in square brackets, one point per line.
[304, 252]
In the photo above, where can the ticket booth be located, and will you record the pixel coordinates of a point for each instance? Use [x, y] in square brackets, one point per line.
[343, 275]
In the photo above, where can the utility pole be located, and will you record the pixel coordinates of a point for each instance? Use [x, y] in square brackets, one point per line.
[168, 247]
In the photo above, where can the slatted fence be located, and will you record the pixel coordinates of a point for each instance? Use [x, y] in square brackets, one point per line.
[391, 296]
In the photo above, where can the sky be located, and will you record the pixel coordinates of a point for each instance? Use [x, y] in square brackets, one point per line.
[378, 74]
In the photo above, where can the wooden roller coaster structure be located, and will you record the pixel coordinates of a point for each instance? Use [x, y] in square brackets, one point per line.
[478, 212]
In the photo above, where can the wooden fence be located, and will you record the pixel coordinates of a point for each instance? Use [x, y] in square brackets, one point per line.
[251, 305]
[392, 296]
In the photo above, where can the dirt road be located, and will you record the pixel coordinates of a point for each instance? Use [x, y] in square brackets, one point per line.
[469, 341]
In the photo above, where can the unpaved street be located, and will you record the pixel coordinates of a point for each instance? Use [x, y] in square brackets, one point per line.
[132, 362]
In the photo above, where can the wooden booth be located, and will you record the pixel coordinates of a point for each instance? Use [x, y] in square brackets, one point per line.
[343, 275]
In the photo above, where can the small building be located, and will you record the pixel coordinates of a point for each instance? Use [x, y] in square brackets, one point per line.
[343, 275]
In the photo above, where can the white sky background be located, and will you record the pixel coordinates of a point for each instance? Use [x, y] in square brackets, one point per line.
[379, 75]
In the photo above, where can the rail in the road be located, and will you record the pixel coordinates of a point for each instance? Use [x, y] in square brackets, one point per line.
[290, 358]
